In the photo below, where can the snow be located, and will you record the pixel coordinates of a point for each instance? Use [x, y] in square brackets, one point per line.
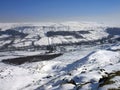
[43, 41]
[22, 44]
[15, 54]
[80, 66]
[66, 87]
[106, 57]
[2, 43]
[4, 36]
[115, 47]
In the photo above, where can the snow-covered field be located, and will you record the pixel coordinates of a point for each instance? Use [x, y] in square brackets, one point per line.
[81, 67]
[25, 35]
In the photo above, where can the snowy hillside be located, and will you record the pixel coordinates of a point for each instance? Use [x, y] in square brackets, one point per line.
[89, 68]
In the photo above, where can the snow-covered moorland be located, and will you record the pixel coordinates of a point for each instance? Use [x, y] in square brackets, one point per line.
[88, 66]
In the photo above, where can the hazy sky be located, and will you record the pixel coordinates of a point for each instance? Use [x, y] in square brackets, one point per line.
[104, 11]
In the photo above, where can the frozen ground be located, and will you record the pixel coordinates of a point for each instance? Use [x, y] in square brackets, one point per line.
[84, 69]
